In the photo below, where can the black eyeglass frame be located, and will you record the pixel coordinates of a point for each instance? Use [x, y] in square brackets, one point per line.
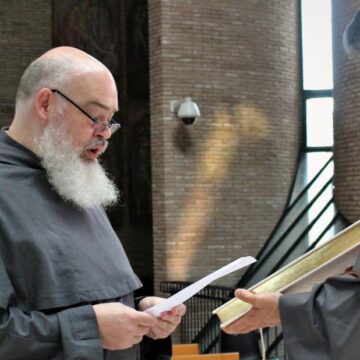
[112, 124]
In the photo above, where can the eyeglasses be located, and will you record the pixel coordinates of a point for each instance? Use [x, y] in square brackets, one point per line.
[98, 125]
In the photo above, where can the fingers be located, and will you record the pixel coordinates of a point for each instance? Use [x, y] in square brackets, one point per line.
[167, 322]
[179, 310]
[139, 330]
[243, 325]
[174, 315]
[120, 326]
[160, 331]
[263, 313]
[144, 319]
[164, 328]
[148, 302]
[246, 295]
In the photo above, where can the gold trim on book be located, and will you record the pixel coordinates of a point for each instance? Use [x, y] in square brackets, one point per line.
[307, 265]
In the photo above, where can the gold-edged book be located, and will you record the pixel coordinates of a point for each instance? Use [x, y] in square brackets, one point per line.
[328, 259]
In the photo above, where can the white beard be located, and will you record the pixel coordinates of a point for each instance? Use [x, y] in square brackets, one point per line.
[84, 183]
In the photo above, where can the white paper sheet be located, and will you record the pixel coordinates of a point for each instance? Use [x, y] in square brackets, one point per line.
[194, 288]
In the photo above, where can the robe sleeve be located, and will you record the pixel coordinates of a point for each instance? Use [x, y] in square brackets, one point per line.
[73, 332]
[325, 323]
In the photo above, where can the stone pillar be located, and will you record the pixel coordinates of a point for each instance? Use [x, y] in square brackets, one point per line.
[346, 115]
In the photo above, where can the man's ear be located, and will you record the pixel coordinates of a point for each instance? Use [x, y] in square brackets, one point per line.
[42, 103]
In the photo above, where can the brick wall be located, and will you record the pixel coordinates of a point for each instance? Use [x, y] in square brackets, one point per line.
[25, 33]
[346, 115]
[220, 185]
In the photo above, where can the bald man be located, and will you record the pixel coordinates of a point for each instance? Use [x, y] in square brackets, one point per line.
[66, 285]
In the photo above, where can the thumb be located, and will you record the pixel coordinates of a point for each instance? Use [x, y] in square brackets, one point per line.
[145, 319]
[245, 295]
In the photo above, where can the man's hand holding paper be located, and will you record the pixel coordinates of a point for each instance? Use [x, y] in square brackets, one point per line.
[167, 321]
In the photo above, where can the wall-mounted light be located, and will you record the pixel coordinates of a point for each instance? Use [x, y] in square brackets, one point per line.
[186, 110]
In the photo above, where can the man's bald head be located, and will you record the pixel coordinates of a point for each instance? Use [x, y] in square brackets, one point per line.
[56, 69]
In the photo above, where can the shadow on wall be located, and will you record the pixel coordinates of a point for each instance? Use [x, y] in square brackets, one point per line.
[213, 167]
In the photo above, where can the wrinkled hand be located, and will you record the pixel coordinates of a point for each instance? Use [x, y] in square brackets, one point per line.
[264, 312]
[120, 326]
[168, 320]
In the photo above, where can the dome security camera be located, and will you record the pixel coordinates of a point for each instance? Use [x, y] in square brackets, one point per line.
[186, 110]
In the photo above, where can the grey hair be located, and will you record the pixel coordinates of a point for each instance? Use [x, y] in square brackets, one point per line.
[43, 72]
[351, 36]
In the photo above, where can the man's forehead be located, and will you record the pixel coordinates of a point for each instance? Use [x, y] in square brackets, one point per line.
[102, 105]
[96, 88]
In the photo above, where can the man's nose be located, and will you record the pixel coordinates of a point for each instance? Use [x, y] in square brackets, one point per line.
[105, 133]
